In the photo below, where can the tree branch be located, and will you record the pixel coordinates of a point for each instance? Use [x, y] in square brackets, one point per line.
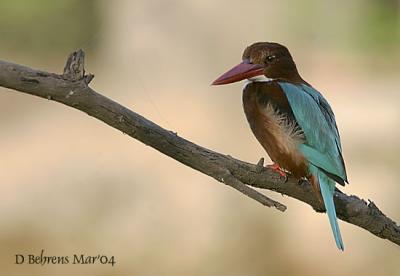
[72, 89]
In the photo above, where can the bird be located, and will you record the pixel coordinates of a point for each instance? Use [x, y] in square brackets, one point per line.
[292, 121]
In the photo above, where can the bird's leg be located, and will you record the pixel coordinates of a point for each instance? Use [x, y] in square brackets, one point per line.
[275, 167]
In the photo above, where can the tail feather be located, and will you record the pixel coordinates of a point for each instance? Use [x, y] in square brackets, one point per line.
[327, 187]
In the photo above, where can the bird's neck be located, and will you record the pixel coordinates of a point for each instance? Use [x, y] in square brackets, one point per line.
[261, 78]
[294, 78]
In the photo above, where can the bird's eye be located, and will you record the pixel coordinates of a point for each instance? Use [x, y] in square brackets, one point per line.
[271, 58]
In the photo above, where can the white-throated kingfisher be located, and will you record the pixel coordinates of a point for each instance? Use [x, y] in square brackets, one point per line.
[292, 121]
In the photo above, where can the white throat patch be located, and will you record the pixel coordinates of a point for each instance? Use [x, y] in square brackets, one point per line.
[260, 78]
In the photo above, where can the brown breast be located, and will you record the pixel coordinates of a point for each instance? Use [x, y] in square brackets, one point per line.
[272, 122]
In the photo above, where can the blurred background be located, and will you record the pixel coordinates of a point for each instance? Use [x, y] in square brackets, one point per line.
[70, 184]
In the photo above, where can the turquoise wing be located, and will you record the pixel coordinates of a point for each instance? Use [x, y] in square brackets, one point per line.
[315, 117]
[322, 148]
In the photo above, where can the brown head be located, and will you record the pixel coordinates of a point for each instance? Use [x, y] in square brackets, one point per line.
[270, 59]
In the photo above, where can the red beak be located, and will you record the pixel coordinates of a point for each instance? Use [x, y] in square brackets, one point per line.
[240, 72]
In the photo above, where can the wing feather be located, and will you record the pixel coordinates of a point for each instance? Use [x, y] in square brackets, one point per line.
[315, 116]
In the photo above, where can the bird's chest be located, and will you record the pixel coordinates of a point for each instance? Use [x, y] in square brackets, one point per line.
[275, 129]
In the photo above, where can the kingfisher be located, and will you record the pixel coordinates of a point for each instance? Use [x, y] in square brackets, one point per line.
[292, 121]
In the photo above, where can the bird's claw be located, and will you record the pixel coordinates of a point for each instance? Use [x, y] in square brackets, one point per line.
[275, 167]
[302, 182]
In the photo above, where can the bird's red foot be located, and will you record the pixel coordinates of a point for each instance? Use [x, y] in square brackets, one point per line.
[275, 167]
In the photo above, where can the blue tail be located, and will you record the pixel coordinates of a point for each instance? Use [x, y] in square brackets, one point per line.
[327, 186]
